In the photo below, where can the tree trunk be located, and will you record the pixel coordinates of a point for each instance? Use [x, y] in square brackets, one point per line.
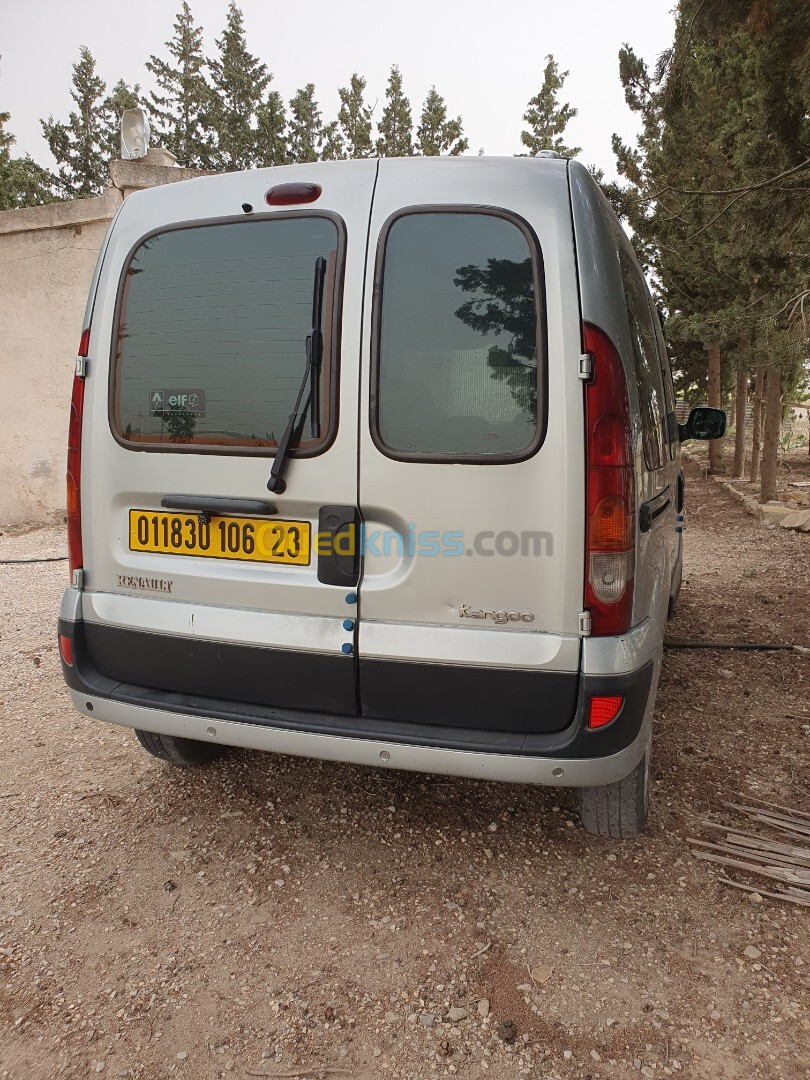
[756, 429]
[716, 402]
[740, 403]
[770, 440]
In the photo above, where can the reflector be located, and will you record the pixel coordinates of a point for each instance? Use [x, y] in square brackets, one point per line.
[66, 649]
[604, 709]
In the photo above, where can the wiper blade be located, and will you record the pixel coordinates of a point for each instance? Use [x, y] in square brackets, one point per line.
[314, 351]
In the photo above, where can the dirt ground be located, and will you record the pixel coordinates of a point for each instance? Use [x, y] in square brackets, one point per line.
[271, 916]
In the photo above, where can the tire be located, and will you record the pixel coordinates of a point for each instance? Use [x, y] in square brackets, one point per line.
[618, 809]
[177, 751]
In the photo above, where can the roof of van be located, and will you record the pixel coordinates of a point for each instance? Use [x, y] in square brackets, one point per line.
[417, 167]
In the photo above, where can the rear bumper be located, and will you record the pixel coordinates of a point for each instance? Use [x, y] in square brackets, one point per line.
[511, 768]
[572, 756]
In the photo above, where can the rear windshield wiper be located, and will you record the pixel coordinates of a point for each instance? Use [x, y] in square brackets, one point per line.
[314, 350]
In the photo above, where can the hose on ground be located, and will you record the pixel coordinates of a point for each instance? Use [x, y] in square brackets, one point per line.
[26, 562]
[755, 646]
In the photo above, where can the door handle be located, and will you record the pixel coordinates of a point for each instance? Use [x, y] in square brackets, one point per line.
[204, 504]
[653, 509]
[338, 545]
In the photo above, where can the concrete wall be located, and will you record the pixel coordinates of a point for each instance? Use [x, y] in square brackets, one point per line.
[47, 256]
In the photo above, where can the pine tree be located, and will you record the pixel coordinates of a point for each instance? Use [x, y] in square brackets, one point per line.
[7, 140]
[546, 117]
[396, 125]
[713, 199]
[304, 128]
[239, 80]
[333, 148]
[271, 126]
[181, 109]
[22, 181]
[436, 134]
[81, 145]
[354, 118]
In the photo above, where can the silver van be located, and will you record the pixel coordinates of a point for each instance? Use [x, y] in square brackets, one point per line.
[377, 461]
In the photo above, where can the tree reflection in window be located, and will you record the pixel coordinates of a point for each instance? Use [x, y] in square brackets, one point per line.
[504, 304]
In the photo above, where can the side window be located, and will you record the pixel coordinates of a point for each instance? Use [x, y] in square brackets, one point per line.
[647, 366]
[210, 345]
[670, 420]
[457, 339]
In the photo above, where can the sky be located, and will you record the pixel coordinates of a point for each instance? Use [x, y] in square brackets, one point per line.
[485, 58]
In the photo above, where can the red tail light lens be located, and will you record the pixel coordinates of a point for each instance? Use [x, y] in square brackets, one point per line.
[610, 495]
[290, 194]
[603, 709]
[66, 649]
[74, 463]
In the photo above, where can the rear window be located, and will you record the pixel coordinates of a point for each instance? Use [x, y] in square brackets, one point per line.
[458, 339]
[211, 341]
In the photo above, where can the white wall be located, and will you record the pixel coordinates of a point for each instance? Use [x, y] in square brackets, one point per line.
[47, 256]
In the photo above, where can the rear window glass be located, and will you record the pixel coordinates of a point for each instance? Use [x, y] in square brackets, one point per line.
[211, 342]
[457, 365]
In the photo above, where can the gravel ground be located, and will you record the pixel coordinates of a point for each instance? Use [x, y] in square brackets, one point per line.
[269, 916]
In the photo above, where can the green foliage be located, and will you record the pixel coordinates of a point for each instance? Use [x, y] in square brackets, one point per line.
[304, 132]
[333, 148]
[239, 81]
[354, 119]
[81, 146]
[271, 131]
[436, 134]
[715, 190]
[396, 124]
[546, 117]
[180, 110]
[22, 181]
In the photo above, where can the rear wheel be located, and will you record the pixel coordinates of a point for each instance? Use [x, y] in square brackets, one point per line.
[177, 751]
[618, 809]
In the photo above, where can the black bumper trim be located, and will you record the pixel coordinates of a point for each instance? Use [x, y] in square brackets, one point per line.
[574, 741]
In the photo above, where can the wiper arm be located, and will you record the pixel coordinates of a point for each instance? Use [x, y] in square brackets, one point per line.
[314, 350]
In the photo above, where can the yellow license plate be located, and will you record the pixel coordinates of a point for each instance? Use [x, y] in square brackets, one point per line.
[251, 539]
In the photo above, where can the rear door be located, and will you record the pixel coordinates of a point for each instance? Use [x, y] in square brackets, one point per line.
[471, 448]
[199, 580]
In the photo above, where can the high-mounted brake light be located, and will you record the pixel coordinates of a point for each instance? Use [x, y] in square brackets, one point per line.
[610, 484]
[290, 194]
[603, 709]
[74, 464]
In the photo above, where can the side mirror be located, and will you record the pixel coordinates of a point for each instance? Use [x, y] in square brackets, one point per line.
[703, 423]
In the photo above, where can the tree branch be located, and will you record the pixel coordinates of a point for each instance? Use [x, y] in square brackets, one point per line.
[729, 191]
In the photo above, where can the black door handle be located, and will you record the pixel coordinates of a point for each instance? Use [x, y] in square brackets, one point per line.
[653, 509]
[205, 504]
[338, 545]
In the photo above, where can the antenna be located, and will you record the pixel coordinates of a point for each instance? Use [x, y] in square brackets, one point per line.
[134, 134]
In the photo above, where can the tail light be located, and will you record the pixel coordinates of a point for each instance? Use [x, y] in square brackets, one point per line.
[610, 485]
[291, 194]
[74, 464]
